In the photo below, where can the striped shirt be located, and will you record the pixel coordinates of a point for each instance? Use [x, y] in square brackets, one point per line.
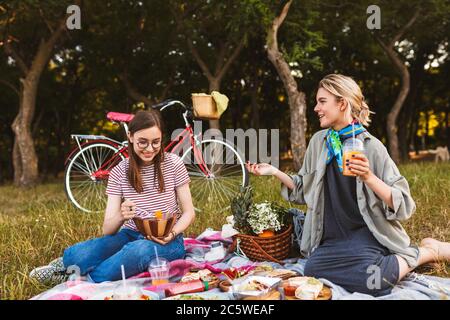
[150, 200]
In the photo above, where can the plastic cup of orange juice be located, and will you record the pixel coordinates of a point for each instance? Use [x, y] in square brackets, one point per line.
[350, 147]
[159, 271]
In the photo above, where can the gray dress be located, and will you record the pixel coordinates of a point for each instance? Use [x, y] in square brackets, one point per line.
[348, 254]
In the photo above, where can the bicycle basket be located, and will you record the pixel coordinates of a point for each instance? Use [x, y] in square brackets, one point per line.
[204, 106]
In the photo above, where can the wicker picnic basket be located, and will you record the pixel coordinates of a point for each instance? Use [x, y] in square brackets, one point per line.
[274, 248]
[204, 107]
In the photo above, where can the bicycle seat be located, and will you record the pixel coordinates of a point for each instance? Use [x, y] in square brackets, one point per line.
[119, 117]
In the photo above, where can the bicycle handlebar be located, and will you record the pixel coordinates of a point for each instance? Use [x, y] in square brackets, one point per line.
[170, 102]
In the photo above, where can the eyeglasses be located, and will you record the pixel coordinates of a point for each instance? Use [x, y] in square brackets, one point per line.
[144, 144]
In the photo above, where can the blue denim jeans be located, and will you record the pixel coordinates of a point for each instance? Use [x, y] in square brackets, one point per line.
[100, 259]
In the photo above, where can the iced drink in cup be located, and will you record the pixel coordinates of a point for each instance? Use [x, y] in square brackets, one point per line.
[159, 271]
[350, 147]
[126, 293]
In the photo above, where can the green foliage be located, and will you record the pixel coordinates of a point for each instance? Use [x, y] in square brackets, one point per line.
[144, 40]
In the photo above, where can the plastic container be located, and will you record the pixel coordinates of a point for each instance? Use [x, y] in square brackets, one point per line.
[216, 253]
[350, 147]
[126, 293]
[159, 271]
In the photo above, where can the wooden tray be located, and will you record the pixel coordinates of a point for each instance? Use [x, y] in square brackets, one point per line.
[271, 295]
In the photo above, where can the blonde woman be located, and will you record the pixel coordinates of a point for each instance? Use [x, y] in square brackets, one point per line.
[352, 233]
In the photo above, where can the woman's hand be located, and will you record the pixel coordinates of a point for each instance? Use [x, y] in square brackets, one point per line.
[261, 169]
[359, 165]
[128, 210]
[164, 241]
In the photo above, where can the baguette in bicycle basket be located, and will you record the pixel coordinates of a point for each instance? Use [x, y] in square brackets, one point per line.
[209, 106]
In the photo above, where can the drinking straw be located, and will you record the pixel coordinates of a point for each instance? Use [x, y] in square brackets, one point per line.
[157, 257]
[123, 277]
[353, 134]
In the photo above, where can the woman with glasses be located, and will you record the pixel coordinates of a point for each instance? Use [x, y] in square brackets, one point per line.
[149, 180]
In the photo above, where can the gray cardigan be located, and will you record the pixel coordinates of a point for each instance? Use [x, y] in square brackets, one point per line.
[383, 222]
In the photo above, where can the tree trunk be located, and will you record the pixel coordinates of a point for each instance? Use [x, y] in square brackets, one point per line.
[427, 128]
[402, 135]
[413, 136]
[412, 118]
[17, 163]
[297, 106]
[223, 64]
[22, 130]
[447, 130]
[133, 93]
[403, 71]
[407, 124]
[24, 149]
[255, 119]
[214, 85]
[236, 110]
[296, 98]
[393, 114]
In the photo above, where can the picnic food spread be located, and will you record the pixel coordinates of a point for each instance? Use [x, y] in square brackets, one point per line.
[261, 283]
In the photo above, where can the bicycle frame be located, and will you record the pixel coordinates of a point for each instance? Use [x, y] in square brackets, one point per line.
[100, 173]
[122, 147]
[90, 162]
[193, 139]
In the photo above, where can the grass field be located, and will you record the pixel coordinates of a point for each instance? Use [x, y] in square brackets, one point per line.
[37, 224]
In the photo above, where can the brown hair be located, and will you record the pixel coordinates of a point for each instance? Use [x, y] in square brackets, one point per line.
[345, 88]
[144, 120]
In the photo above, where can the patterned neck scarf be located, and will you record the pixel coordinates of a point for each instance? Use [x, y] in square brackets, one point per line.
[335, 138]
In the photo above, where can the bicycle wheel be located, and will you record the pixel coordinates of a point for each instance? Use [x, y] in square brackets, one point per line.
[225, 175]
[84, 182]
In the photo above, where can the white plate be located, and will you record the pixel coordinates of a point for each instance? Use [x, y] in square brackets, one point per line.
[110, 292]
[269, 281]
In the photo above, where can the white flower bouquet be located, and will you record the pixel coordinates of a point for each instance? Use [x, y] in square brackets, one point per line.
[265, 216]
[255, 218]
[262, 231]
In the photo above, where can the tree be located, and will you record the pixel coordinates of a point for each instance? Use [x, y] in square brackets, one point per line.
[296, 97]
[400, 38]
[31, 66]
[137, 48]
[297, 102]
[215, 34]
[388, 46]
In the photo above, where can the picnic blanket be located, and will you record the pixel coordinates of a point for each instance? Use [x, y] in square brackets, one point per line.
[413, 287]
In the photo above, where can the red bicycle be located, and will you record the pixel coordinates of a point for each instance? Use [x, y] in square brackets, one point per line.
[216, 168]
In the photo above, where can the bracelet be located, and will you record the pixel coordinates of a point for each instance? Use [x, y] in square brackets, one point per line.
[174, 234]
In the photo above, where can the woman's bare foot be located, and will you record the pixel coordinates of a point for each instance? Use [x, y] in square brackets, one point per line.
[440, 249]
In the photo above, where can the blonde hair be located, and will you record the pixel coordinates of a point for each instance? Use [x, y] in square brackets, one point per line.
[345, 88]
